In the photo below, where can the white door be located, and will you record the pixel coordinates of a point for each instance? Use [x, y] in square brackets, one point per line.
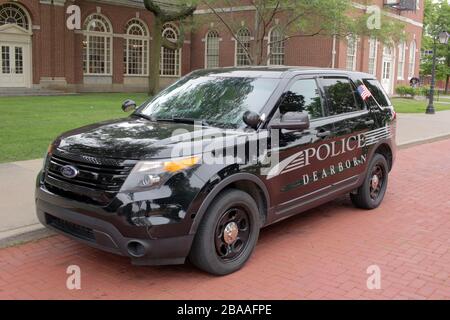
[14, 69]
[387, 69]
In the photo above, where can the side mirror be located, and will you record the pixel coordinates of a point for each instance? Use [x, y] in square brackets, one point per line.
[252, 119]
[128, 105]
[292, 121]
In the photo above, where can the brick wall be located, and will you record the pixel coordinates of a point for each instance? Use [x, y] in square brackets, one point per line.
[57, 52]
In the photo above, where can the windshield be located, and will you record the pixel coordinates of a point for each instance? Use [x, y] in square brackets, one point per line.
[216, 101]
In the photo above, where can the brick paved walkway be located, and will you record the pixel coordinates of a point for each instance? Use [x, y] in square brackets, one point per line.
[321, 254]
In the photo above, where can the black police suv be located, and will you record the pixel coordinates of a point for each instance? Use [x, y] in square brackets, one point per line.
[199, 169]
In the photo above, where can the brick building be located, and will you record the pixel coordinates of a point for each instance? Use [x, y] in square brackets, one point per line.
[111, 50]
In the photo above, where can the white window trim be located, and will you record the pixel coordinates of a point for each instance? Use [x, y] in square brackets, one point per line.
[236, 44]
[355, 55]
[205, 40]
[401, 55]
[269, 47]
[177, 32]
[375, 60]
[99, 34]
[412, 62]
[27, 15]
[145, 40]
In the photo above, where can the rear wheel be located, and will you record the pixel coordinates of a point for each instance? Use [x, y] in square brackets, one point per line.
[227, 234]
[371, 193]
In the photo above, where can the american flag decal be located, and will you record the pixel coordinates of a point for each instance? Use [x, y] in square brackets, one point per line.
[364, 92]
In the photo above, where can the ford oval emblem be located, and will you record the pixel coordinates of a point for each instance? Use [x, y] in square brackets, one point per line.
[69, 171]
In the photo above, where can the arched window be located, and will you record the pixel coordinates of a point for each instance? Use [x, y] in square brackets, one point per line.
[170, 59]
[401, 60]
[373, 53]
[276, 47]
[212, 49]
[13, 14]
[243, 47]
[351, 53]
[412, 59]
[135, 56]
[97, 45]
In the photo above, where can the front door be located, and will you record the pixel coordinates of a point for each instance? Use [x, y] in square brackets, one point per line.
[387, 69]
[13, 65]
[296, 176]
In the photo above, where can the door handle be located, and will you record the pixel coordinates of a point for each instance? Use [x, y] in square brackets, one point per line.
[369, 122]
[323, 134]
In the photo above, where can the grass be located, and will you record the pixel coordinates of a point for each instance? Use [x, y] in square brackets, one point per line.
[29, 124]
[444, 98]
[402, 105]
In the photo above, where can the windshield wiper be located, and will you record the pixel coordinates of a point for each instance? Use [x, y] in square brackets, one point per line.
[184, 120]
[143, 116]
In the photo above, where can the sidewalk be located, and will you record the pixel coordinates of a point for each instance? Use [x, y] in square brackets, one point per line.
[414, 128]
[17, 198]
[17, 178]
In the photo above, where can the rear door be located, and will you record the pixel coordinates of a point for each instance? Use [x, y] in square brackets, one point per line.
[351, 121]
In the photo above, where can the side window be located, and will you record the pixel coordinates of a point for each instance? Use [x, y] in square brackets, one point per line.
[377, 92]
[303, 96]
[340, 95]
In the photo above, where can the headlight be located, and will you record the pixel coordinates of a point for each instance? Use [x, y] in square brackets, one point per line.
[48, 154]
[147, 174]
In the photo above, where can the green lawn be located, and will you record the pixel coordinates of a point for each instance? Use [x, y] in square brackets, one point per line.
[29, 124]
[414, 106]
[444, 98]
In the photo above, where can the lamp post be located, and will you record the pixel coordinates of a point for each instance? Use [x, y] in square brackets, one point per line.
[443, 39]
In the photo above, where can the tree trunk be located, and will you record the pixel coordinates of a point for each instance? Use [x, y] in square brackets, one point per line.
[155, 57]
[446, 84]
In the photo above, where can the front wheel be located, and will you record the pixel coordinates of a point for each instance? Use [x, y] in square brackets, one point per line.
[371, 193]
[227, 234]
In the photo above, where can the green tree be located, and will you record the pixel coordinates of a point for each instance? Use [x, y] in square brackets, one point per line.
[297, 19]
[436, 20]
[165, 11]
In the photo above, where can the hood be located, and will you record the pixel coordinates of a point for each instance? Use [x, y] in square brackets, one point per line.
[139, 139]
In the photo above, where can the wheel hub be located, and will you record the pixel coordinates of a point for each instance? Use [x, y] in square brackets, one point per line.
[230, 232]
[375, 182]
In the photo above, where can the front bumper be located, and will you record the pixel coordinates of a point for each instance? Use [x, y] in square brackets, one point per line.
[109, 231]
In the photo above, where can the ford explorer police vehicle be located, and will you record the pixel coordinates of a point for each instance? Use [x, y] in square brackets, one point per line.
[198, 170]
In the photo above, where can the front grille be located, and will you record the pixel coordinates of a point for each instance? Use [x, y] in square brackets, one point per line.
[70, 228]
[98, 179]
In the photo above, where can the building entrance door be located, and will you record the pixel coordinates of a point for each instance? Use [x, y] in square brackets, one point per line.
[14, 68]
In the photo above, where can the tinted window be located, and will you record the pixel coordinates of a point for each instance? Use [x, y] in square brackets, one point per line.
[340, 95]
[303, 96]
[378, 93]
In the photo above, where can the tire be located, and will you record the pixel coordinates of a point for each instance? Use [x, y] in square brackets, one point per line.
[366, 196]
[213, 250]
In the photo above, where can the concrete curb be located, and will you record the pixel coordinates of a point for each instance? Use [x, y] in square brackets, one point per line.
[412, 143]
[37, 231]
[24, 235]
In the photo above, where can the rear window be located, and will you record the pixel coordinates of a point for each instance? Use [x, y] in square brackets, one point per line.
[340, 95]
[377, 92]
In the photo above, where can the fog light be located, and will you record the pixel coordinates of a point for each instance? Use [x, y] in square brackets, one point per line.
[136, 249]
